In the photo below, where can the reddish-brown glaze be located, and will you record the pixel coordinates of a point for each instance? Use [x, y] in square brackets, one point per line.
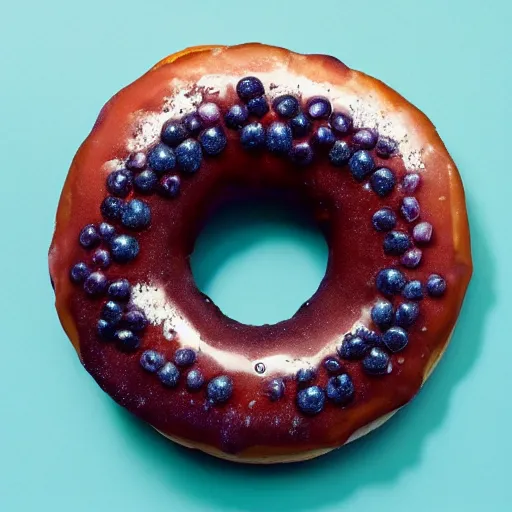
[249, 425]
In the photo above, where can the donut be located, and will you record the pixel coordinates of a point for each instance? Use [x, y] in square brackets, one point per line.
[213, 124]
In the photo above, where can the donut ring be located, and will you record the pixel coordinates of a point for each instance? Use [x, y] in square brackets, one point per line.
[213, 122]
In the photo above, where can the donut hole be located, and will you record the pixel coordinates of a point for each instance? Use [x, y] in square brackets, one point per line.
[259, 259]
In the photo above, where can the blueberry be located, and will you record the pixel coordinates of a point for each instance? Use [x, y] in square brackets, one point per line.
[119, 290]
[413, 290]
[376, 362]
[410, 183]
[341, 123]
[135, 320]
[106, 231]
[275, 389]
[279, 138]
[382, 314]
[249, 87]
[311, 400]
[136, 161]
[189, 155]
[361, 164]
[436, 285]
[332, 365]
[173, 133]
[386, 147]
[318, 107]
[101, 258]
[384, 219]
[161, 158]
[112, 312]
[323, 137]
[422, 232]
[236, 116]
[305, 375]
[80, 272]
[395, 339]
[382, 181]
[352, 347]
[209, 113]
[286, 106]
[220, 389]
[410, 209]
[169, 375]
[406, 314]
[412, 258]
[184, 357]
[124, 248]
[301, 154]
[170, 186]
[89, 237]
[95, 284]
[112, 208]
[105, 330]
[136, 215]
[258, 106]
[369, 336]
[213, 140]
[365, 139]
[340, 389]
[151, 360]
[300, 125]
[390, 281]
[252, 136]
[340, 153]
[195, 380]
[193, 123]
[396, 243]
[119, 183]
[145, 182]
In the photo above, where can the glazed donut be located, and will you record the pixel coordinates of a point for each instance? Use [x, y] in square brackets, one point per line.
[214, 123]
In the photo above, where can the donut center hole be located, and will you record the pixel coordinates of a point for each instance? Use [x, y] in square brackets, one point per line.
[260, 259]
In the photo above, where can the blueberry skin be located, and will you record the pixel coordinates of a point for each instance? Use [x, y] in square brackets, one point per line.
[124, 248]
[151, 360]
[136, 215]
[300, 125]
[318, 107]
[173, 133]
[323, 137]
[376, 362]
[136, 161]
[275, 389]
[105, 330]
[89, 237]
[436, 285]
[185, 357]
[311, 400]
[145, 182]
[305, 375]
[258, 106]
[219, 389]
[249, 87]
[396, 243]
[406, 314]
[369, 336]
[411, 182]
[189, 155]
[386, 147]
[332, 365]
[395, 339]
[412, 258]
[79, 272]
[410, 209]
[390, 281]
[352, 347]
[170, 186]
[286, 106]
[279, 138]
[340, 153]
[106, 231]
[301, 154]
[135, 320]
[169, 375]
[95, 284]
[365, 139]
[112, 312]
[422, 232]
[161, 158]
[119, 183]
[382, 314]
[236, 117]
[213, 140]
[340, 123]
[209, 113]
[127, 340]
[413, 290]
[120, 290]
[383, 181]
[101, 258]
[193, 123]
[195, 380]
[340, 389]
[112, 208]
[361, 164]
[384, 219]
[252, 136]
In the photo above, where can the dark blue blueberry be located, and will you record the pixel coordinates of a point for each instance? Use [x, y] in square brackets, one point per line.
[135, 320]
[382, 314]
[119, 183]
[95, 284]
[323, 137]
[340, 389]
[124, 248]
[169, 375]
[112, 208]
[332, 365]
[340, 123]
[369, 336]
[145, 182]
[193, 123]
[258, 106]
[410, 209]
[127, 340]
[106, 331]
[386, 147]
[300, 125]
[275, 389]
[136, 215]
[249, 87]
[119, 290]
[195, 380]
[89, 236]
[189, 155]
[236, 116]
[340, 153]
[173, 133]
[395, 339]
[365, 139]
[352, 347]
[80, 272]
[112, 312]
[384, 219]
[390, 281]
[436, 285]
[413, 290]
[279, 138]
[185, 357]
[311, 400]
[252, 136]
[161, 158]
[213, 140]
[286, 106]
[136, 161]
[382, 181]
[151, 360]
[170, 186]
[101, 258]
[361, 164]
[406, 314]
[396, 243]
[106, 231]
[305, 375]
[220, 389]
[301, 154]
[376, 362]
[318, 107]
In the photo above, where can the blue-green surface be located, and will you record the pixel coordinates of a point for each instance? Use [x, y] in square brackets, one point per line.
[65, 446]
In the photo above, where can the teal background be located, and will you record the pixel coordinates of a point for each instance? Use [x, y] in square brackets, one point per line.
[64, 445]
